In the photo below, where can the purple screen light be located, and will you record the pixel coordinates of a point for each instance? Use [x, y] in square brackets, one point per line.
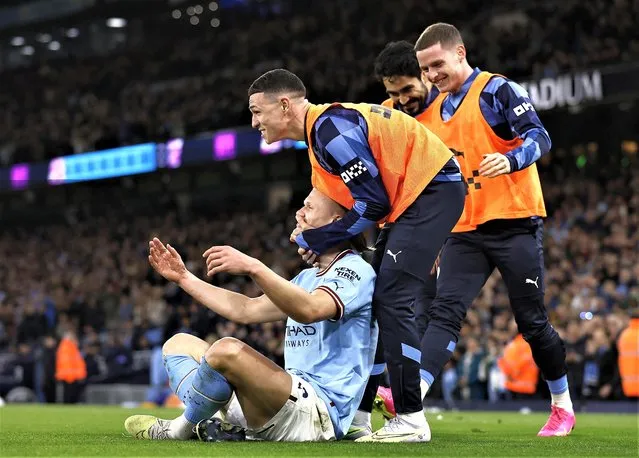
[57, 173]
[19, 176]
[174, 153]
[224, 146]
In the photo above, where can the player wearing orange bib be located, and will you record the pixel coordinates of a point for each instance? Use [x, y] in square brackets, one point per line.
[385, 167]
[396, 67]
[491, 124]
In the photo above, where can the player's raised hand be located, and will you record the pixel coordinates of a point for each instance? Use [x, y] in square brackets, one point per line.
[493, 165]
[227, 259]
[166, 261]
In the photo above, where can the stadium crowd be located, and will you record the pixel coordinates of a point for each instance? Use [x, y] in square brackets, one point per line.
[180, 79]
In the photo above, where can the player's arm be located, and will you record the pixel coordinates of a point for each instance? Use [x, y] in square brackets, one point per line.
[340, 294]
[342, 139]
[512, 102]
[294, 301]
[231, 305]
[234, 306]
[288, 298]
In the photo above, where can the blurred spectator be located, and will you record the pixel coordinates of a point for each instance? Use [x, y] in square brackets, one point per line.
[32, 326]
[575, 343]
[118, 357]
[449, 383]
[48, 361]
[519, 368]
[96, 365]
[71, 370]
[628, 345]
[471, 378]
[490, 368]
[25, 366]
[599, 365]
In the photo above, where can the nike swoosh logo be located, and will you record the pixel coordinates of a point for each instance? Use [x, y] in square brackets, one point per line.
[392, 436]
[266, 429]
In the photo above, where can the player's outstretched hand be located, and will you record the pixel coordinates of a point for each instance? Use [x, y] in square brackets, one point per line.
[166, 261]
[227, 259]
[493, 165]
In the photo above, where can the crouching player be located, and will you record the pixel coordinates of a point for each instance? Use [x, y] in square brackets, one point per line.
[329, 345]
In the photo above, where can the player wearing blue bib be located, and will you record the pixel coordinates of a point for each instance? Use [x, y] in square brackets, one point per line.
[329, 345]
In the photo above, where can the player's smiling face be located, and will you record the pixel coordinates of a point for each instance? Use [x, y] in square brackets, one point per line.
[407, 92]
[269, 116]
[443, 66]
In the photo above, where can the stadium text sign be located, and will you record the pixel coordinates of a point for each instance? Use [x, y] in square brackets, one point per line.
[565, 90]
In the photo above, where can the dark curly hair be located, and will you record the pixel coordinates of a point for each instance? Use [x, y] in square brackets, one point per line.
[397, 59]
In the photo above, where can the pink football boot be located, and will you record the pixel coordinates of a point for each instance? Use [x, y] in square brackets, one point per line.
[560, 423]
[384, 402]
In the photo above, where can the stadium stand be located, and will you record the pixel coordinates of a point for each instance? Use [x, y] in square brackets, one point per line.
[162, 77]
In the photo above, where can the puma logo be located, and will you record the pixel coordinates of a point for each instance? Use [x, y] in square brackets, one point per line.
[528, 280]
[300, 387]
[394, 256]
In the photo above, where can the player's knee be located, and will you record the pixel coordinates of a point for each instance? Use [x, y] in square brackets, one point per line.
[185, 344]
[177, 344]
[538, 333]
[223, 353]
[446, 314]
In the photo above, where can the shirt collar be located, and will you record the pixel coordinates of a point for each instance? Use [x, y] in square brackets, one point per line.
[464, 87]
[455, 98]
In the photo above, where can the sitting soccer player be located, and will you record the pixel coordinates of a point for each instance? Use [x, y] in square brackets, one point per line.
[329, 345]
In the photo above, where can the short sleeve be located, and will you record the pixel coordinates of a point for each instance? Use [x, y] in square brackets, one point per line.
[350, 282]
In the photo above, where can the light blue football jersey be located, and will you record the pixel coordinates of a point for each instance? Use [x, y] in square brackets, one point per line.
[336, 356]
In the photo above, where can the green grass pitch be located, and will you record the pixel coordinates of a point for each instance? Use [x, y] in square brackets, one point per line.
[30, 430]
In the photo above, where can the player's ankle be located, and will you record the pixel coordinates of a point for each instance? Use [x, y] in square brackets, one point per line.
[414, 419]
[181, 428]
[361, 419]
[563, 401]
[424, 387]
[567, 406]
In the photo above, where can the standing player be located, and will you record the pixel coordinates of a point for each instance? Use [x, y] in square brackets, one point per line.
[387, 168]
[491, 124]
[396, 67]
[329, 344]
